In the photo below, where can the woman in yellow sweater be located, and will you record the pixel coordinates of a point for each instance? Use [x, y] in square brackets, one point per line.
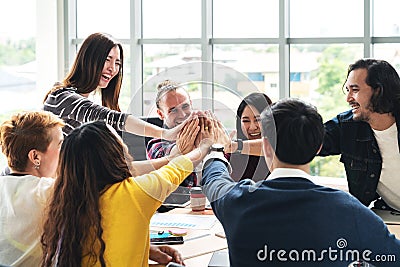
[99, 214]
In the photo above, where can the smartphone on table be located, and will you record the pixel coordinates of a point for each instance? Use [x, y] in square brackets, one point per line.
[170, 240]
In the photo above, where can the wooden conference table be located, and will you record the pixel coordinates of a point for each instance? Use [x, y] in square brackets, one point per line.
[394, 229]
[201, 243]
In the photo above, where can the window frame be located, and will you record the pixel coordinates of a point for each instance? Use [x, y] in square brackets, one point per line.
[136, 42]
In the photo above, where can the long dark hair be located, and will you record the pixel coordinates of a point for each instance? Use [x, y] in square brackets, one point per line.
[86, 71]
[384, 81]
[92, 157]
[258, 100]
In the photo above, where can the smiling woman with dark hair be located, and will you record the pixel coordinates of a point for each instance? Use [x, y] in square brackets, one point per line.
[98, 66]
[248, 128]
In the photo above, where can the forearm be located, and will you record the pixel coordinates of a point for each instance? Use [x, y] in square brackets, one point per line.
[160, 183]
[175, 151]
[331, 144]
[198, 154]
[145, 166]
[139, 127]
[252, 147]
[216, 180]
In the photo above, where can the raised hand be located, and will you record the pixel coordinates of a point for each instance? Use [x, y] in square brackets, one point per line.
[206, 133]
[230, 146]
[187, 136]
[220, 135]
[172, 134]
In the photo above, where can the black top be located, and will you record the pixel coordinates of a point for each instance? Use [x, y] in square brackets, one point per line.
[245, 166]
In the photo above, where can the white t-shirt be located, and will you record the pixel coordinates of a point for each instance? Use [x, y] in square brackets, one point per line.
[22, 203]
[389, 182]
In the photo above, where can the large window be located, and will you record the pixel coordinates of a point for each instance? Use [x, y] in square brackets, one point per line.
[171, 19]
[339, 18]
[386, 19]
[245, 19]
[276, 45]
[18, 57]
[18, 65]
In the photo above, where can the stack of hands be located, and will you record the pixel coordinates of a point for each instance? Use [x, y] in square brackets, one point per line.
[199, 131]
[202, 128]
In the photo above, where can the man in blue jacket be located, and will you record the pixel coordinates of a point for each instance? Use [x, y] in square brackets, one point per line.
[287, 220]
[367, 136]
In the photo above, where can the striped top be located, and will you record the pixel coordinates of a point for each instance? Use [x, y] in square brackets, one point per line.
[76, 109]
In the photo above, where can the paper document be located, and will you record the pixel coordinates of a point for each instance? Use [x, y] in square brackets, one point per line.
[202, 246]
[183, 221]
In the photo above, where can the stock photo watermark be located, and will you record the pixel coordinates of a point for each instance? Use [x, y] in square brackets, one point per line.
[338, 253]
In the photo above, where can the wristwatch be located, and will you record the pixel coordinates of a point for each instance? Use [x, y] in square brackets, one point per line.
[215, 154]
[240, 145]
[217, 148]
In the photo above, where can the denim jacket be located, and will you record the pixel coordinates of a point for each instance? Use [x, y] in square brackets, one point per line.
[360, 154]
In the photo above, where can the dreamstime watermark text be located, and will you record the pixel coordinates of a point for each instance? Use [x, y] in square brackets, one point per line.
[340, 253]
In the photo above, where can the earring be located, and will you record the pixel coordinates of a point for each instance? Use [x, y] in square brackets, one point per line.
[37, 165]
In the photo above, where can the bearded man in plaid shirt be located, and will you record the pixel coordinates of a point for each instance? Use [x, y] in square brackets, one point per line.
[173, 107]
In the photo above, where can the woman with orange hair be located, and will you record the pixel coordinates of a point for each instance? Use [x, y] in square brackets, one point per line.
[31, 141]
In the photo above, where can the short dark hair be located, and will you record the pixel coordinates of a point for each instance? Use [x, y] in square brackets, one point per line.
[295, 130]
[258, 100]
[384, 81]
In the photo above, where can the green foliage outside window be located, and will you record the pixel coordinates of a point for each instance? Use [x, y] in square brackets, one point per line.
[333, 64]
[14, 53]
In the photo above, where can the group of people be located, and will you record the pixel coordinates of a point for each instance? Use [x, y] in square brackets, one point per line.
[287, 220]
[174, 106]
[100, 197]
[75, 197]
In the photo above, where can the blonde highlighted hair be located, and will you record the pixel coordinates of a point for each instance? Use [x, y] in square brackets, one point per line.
[164, 87]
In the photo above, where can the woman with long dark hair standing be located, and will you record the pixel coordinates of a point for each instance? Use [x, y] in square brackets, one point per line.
[98, 66]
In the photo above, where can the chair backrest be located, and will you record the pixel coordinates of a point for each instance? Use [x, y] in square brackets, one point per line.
[137, 144]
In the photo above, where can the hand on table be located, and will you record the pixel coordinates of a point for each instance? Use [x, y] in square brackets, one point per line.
[165, 254]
